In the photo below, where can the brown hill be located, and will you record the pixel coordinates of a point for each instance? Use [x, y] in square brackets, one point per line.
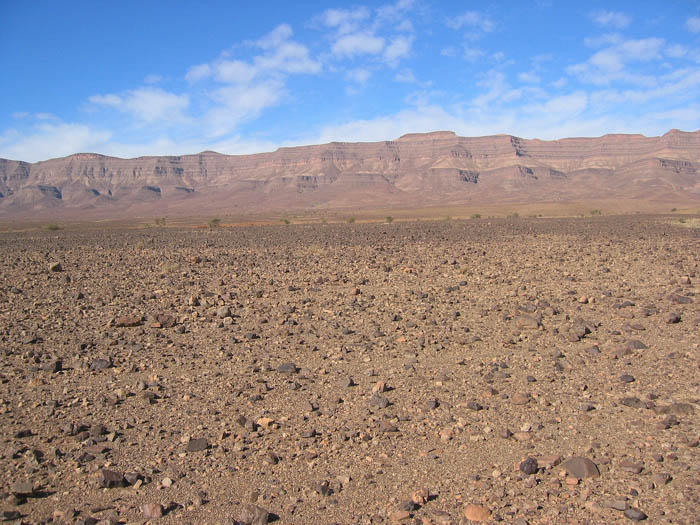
[428, 169]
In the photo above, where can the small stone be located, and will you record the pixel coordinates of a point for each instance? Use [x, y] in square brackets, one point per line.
[672, 318]
[420, 496]
[22, 488]
[197, 445]
[626, 378]
[400, 515]
[251, 514]
[223, 311]
[635, 514]
[152, 510]
[630, 466]
[378, 401]
[520, 398]
[55, 267]
[128, 321]
[111, 479]
[346, 382]
[529, 466]
[10, 515]
[581, 467]
[287, 368]
[476, 512]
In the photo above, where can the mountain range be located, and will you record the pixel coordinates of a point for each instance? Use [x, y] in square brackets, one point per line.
[426, 169]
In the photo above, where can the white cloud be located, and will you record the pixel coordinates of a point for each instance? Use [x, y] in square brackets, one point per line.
[405, 75]
[52, 140]
[344, 20]
[357, 44]
[197, 73]
[359, 75]
[603, 40]
[234, 72]
[611, 63]
[693, 24]
[472, 19]
[148, 104]
[614, 19]
[400, 47]
[529, 77]
[152, 79]
[236, 104]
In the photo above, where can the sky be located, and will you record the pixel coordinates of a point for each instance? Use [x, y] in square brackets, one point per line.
[147, 77]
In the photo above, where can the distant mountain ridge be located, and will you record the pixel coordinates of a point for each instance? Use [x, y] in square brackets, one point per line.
[418, 169]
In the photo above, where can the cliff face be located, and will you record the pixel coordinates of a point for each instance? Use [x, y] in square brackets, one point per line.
[417, 169]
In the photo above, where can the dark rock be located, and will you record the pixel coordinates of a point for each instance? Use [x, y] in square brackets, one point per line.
[197, 445]
[22, 488]
[580, 467]
[529, 466]
[101, 364]
[287, 368]
[252, 515]
[111, 479]
[630, 466]
[378, 401]
[635, 514]
[128, 321]
[152, 510]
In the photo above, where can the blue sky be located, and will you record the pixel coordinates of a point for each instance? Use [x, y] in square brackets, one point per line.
[132, 78]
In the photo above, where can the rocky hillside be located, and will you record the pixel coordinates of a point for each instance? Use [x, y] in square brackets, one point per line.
[437, 168]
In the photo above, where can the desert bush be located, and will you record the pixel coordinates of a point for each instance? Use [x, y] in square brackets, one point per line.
[596, 212]
[476, 215]
[215, 222]
[160, 221]
[52, 227]
[389, 218]
[286, 221]
[674, 209]
[351, 220]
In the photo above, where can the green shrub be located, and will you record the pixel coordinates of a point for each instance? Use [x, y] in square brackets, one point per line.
[389, 218]
[476, 215]
[215, 222]
[351, 220]
[52, 227]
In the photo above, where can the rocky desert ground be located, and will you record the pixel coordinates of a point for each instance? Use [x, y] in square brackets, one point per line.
[524, 371]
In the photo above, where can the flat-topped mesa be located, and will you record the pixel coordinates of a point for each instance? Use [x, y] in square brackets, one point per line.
[438, 168]
[433, 135]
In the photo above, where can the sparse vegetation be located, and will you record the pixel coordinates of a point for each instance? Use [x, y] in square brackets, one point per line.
[215, 222]
[160, 221]
[514, 215]
[389, 218]
[596, 212]
[351, 220]
[674, 209]
[52, 227]
[476, 215]
[286, 221]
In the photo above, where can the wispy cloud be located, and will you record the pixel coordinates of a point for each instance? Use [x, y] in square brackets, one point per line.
[611, 63]
[355, 44]
[472, 19]
[147, 104]
[613, 19]
[693, 24]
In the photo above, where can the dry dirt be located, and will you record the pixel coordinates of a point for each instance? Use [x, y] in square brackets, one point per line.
[319, 374]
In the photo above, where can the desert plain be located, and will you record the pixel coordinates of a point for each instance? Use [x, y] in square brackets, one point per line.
[514, 370]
